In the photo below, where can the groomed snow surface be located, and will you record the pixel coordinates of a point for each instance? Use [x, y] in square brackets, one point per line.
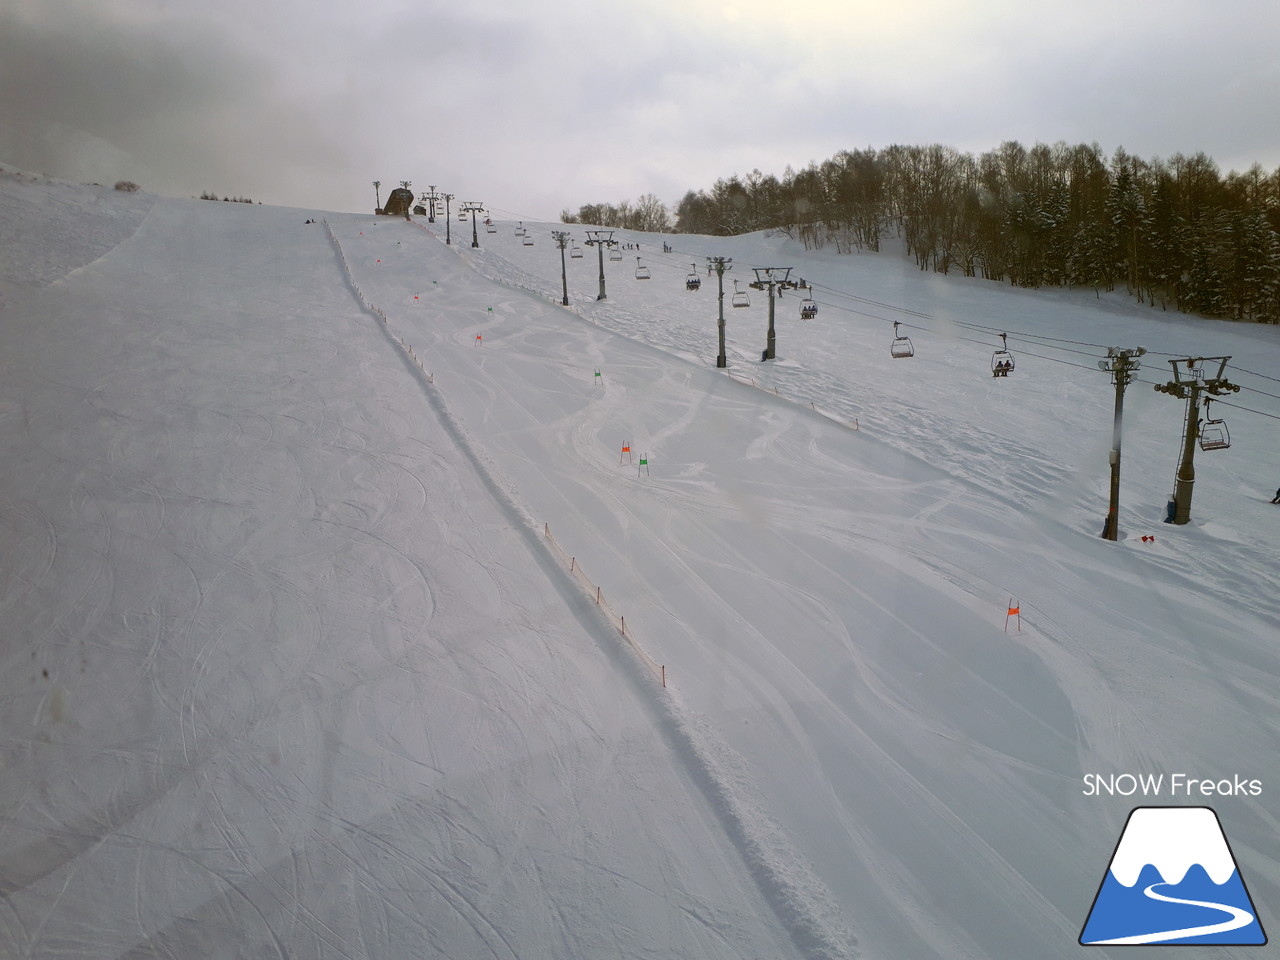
[288, 667]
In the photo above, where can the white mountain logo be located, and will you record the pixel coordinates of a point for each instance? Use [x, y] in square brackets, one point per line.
[1172, 880]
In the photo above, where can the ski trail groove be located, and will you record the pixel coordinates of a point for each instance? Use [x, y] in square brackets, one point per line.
[787, 881]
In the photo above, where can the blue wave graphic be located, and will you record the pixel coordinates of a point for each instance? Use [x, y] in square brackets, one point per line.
[1138, 915]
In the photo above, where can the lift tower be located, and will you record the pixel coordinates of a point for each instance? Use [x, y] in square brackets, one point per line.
[472, 207]
[1121, 364]
[1189, 383]
[561, 238]
[447, 217]
[769, 278]
[431, 199]
[720, 265]
[600, 239]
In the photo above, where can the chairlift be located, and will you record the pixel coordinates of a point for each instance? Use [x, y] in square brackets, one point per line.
[1213, 433]
[901, 346]
[575, 252]
[615, 253]
[693, 281]
[490, 226]
[642, 272]
[520, 229]
[740, 298]
[808, 309]
[527, 241]
[1002, 359]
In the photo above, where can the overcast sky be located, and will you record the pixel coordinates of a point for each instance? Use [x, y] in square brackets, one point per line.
[534, 106]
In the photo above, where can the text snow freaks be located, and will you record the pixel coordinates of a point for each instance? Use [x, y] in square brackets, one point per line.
[1176, 784]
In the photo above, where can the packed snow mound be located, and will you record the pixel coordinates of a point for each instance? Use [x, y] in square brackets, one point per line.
[50, 227]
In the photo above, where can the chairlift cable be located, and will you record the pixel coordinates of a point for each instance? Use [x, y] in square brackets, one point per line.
[1021, 335]
[1264, 393]
[1018, 337]
[1254, 373]
[667, 257]
[1236, 406]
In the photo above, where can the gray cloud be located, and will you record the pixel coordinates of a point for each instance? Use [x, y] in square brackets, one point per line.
[536, 107]
[165, 103]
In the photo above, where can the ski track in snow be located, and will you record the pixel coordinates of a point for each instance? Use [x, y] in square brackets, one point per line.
[1001, 456]
[260, 786]
[287, 658]
[975, 457]
[801, 901]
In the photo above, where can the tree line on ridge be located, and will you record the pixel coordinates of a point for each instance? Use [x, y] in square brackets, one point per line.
[1174, 233]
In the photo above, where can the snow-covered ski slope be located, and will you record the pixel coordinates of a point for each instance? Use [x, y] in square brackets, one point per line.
[289, 669]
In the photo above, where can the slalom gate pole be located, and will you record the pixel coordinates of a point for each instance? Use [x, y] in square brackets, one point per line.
[1014, 611]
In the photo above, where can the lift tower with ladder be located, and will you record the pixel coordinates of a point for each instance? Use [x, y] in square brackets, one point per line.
[771, 278]
[1190, 383]
[601, 239]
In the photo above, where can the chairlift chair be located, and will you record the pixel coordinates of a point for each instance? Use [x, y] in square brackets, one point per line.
[693, 281]
[1002, 359]
[575, 252]
[1213, 433]
[642, 272]
[527, 241]
[740, 298]
[901, 346]
[808, 309]
[520, 229]
[490, 226]
[615, 253]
